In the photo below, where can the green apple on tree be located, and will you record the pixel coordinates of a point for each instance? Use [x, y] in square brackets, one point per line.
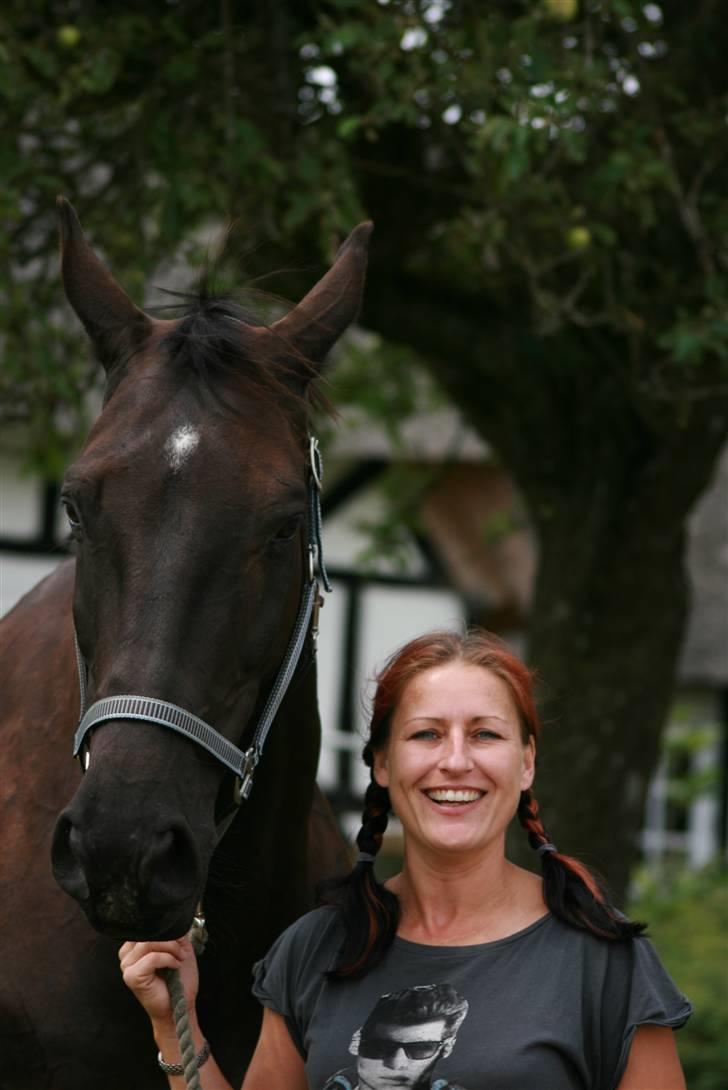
[68, 36]
[561, 11]
[578, 238]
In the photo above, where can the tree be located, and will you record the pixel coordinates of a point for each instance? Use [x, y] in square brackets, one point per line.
[548, 185]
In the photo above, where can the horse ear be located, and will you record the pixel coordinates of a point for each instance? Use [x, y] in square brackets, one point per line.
[113, 322]
[312, 327]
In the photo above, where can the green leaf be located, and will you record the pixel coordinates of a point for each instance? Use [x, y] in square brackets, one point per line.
[348, 127]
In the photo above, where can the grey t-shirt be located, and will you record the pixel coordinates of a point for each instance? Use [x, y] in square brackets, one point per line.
[549, 1008]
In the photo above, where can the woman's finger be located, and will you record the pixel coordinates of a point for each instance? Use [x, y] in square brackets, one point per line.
[141, 972]
[131, 952]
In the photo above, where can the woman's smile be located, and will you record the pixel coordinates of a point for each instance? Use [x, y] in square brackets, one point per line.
[454, 796]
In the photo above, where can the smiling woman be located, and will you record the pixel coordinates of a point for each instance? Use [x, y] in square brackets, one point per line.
[456, 761]
[464, 970]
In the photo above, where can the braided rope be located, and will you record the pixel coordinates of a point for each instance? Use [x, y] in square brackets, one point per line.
[198, 937]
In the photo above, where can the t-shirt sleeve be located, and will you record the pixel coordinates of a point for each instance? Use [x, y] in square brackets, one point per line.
[290, 976]
[653, 999]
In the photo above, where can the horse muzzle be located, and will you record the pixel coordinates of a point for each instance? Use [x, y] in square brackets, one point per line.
[129, 885]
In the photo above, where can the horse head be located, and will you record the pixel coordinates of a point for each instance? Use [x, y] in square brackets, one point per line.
[189, 515]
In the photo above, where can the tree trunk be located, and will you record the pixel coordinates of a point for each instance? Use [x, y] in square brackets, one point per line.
[604, 638]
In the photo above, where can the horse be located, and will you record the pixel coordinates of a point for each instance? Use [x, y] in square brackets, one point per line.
[192, 511]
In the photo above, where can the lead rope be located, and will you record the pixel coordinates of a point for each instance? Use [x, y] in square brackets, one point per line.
[197, 935]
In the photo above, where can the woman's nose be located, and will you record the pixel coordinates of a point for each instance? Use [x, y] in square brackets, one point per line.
[456, 754]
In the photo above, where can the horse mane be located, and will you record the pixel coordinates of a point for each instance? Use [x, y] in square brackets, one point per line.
[215, 341]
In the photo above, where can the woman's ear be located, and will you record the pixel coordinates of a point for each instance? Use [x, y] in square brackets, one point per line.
[380, 768]
[529, 764]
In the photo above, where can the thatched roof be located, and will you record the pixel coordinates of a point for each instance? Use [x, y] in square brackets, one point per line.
[475, 497]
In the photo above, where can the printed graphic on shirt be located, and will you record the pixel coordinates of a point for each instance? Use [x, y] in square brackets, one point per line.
[402, 1040]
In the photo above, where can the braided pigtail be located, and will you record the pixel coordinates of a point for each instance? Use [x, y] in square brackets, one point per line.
[571, 891]
[369, 911]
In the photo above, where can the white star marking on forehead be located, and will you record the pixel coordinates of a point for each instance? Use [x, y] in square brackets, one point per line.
[180, 445]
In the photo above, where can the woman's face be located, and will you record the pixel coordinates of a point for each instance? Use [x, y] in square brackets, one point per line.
[455, 763]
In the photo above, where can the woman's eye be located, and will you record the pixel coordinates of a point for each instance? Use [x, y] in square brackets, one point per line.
[486, 735]
[425, 735]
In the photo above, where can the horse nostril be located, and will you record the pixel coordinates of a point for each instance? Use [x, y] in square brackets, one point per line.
[65, 861]
[170, 868]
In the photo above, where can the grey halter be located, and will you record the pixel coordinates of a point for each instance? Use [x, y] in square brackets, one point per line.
[164, 714]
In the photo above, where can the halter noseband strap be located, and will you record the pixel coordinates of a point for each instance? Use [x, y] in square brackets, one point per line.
[163, 714]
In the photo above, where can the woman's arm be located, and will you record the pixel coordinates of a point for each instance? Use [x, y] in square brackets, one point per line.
[653, 1062]
[276, 1063]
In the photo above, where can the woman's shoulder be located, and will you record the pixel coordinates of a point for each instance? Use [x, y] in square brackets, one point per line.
[618, 980]
[323, 921]
[617, 961]
[556, 941]
[567, 936]
[315, 935]
[298, 958]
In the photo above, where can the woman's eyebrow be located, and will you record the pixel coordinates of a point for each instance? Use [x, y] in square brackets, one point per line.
[443, 719]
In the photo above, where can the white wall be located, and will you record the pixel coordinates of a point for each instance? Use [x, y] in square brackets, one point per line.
[21, 500]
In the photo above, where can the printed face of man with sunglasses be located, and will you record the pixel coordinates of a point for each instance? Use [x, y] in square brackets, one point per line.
[405, 1035]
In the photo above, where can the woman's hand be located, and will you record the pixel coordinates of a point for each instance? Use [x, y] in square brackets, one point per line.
[140, 964]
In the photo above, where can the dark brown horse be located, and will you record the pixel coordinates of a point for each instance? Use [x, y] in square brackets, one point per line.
[189, 511]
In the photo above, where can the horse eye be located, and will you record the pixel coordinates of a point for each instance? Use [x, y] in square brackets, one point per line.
[74, 519]
[287, 531]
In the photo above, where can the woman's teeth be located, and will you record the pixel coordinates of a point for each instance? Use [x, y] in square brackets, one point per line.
[450, 795]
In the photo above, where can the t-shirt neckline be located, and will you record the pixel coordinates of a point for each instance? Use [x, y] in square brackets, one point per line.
[424, 947]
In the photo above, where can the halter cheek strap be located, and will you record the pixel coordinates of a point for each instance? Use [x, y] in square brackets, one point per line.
[163, 714]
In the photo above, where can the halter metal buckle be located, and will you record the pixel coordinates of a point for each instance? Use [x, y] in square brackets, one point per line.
[314, 457]
[318, 604]
[244, 782]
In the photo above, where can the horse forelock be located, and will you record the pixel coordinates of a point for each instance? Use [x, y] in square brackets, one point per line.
[217, 342]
